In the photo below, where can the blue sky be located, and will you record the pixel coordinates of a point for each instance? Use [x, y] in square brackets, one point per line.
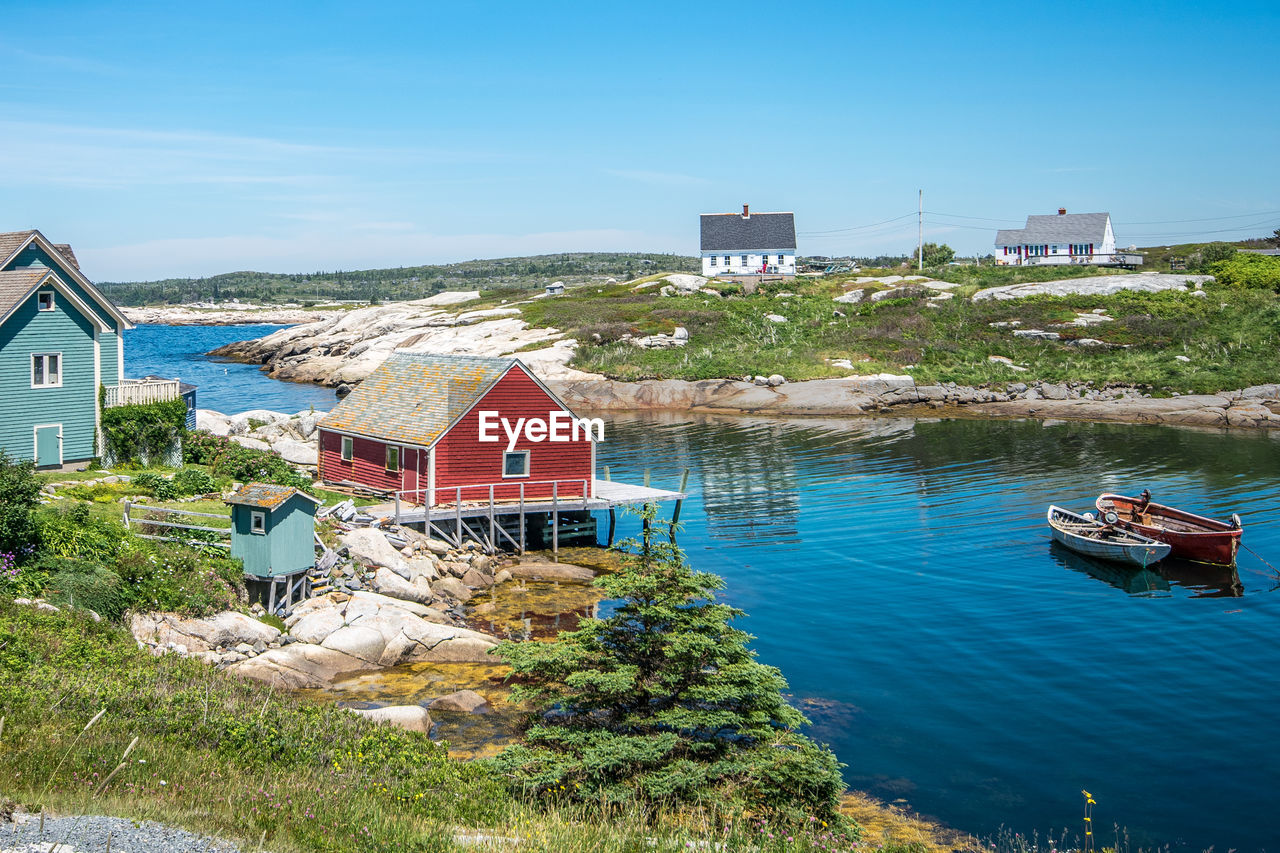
[196, 138]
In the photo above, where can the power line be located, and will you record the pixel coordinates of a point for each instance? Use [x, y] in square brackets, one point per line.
[857, 227]
[1207, 219]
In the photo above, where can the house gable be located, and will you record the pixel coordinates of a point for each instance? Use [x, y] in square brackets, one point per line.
[21, 250]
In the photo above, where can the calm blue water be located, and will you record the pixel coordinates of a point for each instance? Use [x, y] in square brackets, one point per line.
[900, 574]
[178, 351]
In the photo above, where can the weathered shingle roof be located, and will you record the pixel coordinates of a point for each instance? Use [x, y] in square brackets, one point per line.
[414, 397]
[759, 231]
[16, 285]
[66, 251]
[265, 495]
[1057, 228]
[10, 241]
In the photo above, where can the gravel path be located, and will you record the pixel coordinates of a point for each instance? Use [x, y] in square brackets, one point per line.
[89, 834]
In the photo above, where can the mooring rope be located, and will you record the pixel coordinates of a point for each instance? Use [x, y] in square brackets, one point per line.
[1260, 557]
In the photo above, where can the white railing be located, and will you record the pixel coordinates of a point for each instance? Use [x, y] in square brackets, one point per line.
[511, 491]
[131, 392]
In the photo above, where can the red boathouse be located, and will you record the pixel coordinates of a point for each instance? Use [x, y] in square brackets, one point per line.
[433, 428]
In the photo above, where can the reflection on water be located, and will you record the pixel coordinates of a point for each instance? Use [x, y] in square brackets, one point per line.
[902, 567]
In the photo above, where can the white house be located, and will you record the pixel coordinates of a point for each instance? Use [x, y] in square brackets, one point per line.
[1065, 238]
[751, 244]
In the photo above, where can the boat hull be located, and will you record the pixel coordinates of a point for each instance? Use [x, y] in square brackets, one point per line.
[1133, 553]
[1192, 537]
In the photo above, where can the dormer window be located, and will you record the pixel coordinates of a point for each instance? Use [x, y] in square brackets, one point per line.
[44, 299]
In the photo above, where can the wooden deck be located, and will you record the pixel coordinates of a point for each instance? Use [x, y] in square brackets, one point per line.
[449, 521]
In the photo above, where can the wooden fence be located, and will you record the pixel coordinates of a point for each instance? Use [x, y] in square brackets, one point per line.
[223, 533]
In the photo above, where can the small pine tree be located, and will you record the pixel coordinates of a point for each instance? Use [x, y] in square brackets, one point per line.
[663, 704]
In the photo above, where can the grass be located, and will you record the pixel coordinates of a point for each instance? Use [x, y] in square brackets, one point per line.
[242, 761]
[1230, 335]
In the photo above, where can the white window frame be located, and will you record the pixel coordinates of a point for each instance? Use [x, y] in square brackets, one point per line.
[713, 260]
[40, 295]
[46, 383]
[258, 522]
[509, 453]
[399, 460]
[744, 260]
[347, 449]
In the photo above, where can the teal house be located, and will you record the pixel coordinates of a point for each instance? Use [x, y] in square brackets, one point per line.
[60, 342]
[273, 529]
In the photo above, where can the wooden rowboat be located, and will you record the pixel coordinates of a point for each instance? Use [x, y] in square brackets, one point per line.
[1192, 537]
[1084, 535]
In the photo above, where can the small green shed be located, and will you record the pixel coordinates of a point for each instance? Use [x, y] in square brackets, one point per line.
[273, 529]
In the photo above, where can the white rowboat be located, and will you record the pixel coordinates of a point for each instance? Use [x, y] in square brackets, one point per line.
[1102, 541]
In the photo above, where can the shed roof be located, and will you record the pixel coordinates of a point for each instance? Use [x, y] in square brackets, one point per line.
[1057, 228]
[416, 397]
[735, 232]
[266, 495]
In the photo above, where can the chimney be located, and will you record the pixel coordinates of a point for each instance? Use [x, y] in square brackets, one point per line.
[746, 212]
[1062, 211]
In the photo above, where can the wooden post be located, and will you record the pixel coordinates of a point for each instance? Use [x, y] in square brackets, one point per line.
[613, 522]
[127, 504]
[397, 507]
[457, 510]
[675, 514]
[607, 475]
[522, 520]
[493, 535]
[555, 521]
[271, 597]
[646, 478]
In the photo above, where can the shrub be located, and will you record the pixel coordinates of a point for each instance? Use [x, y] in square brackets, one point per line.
[1213, 253]
[1249, 271]
[228, 459]
[194, 481]
[157, 486]
[87, 585]
[19, 495]
[73, 532]
[662, 704]
[168, 576]
[143, 432]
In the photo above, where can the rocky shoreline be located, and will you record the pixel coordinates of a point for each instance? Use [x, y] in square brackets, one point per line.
[1258, 406]
[342, 349]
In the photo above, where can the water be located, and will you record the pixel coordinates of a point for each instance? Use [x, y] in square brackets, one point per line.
[178, 351]
[901, 575]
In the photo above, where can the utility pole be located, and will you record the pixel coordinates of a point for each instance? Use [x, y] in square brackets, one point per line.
[920, 234]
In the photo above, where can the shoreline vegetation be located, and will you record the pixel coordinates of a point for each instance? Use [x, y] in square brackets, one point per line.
[1075, 343]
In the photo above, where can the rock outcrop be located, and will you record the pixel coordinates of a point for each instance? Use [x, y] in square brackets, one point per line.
[346, 347]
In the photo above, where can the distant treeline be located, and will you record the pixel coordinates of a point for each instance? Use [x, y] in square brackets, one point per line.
[399, 283]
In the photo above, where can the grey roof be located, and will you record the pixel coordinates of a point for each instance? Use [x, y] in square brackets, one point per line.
[734, 232]
[1057, 228]
[415, 397]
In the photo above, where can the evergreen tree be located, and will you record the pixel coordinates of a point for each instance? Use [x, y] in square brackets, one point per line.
[663, 704]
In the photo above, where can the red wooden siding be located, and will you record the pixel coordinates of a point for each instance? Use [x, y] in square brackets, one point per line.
[463, 460]
[368, 465]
